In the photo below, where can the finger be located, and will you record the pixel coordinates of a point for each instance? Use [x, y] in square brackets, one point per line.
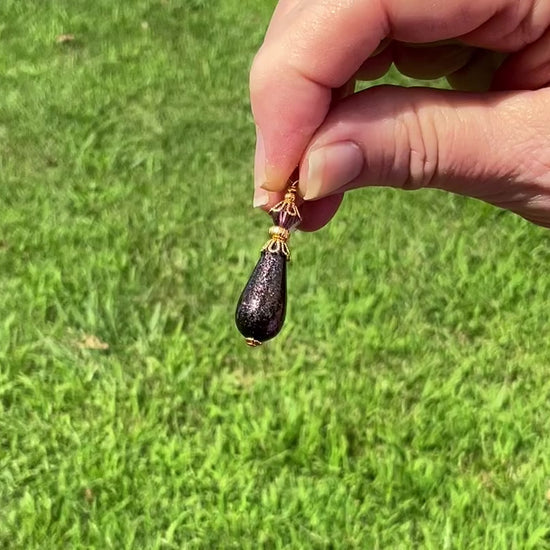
[291, 83]
[347, 89]
[284, 11]
[313, 47]
[316, 215]
[429, 62]
[261, 196]
[375, 66]
[477, 75]
[529, 69]
[473, 144]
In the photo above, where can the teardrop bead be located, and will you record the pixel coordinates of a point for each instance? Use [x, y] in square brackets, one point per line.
[262, 306]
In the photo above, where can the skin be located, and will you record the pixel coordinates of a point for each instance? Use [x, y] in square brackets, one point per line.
[488, 139]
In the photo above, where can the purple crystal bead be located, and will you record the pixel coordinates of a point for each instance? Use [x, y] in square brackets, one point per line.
[286, 219]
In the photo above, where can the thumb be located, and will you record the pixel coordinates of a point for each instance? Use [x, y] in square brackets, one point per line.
[494, 147]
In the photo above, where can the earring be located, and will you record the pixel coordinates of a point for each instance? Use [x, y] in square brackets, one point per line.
[262, 306]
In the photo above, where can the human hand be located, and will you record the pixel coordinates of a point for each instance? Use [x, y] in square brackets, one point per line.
[492, 145]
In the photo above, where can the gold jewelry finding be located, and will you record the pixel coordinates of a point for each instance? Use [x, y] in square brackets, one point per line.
[262, 306]
[288, 204]
[276, 245]
[252, 342]
[287, 210]
[279, 233]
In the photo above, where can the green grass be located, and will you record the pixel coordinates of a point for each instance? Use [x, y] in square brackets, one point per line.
[406, 403]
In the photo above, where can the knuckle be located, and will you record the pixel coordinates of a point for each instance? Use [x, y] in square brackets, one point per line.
[259, 75]
[422, 143]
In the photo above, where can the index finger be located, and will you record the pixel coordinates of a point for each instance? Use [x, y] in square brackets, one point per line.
[314, 46]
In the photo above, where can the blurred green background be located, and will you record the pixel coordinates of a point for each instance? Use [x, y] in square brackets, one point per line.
[406, 403]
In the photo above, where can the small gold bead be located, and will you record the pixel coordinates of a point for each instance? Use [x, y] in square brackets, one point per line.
[279, 233]
[252, 342]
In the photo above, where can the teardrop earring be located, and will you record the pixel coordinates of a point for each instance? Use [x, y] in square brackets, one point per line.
[262, 306]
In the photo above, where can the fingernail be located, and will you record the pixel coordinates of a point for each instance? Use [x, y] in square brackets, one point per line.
[266, 175]
[259, 160]
[261, 197]
[331, 167]
[273, 180]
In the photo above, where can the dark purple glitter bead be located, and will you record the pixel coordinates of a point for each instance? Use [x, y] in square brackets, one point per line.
[262, 306]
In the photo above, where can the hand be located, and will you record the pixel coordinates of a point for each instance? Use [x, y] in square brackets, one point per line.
[493, 145]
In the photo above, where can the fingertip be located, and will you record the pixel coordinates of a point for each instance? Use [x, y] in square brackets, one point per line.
[272, 199]
[274, 180]
[259, 161]
[327, 169]
[316, 214]
[261, 197]
[267, 176]
[287, 108]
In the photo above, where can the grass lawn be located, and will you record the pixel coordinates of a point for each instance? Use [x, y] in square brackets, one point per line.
[405, 405]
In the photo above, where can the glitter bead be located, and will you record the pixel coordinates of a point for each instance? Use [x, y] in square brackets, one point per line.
[262, 306]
